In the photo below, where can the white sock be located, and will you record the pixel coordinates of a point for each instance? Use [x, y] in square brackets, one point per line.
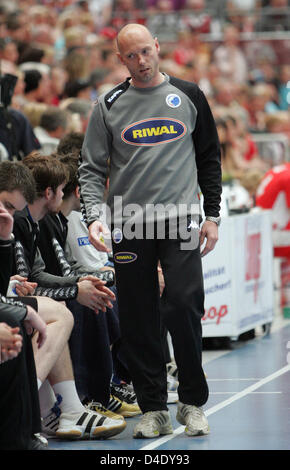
[70, 400]
[47, 398]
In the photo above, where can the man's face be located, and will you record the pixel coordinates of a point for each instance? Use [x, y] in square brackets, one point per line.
[140, 55]
[55, 200]
[13, 201]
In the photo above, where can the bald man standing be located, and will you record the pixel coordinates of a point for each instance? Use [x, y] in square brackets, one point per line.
[159, 137]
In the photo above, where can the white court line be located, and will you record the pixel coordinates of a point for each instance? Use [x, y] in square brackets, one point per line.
[250, 379]
[231, 393]
[221, 405]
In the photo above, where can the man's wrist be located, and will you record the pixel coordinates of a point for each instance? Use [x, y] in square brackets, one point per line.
[6, 241]
[216, 220]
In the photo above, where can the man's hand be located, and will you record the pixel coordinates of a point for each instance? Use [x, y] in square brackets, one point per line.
[96, 229]
[93, 294]
[6, 223]
[90, 277]
[10, 342]
[209, 231]
[33, 321]
[9, 335]
[24, 287]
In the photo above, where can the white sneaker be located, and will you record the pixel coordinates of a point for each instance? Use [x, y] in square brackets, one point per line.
[50, 423]
[88, 425]
[153, 424]
[193, 418]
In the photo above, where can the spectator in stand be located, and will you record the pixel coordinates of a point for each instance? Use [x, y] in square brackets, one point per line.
[74, 37]
[195, 18]
[176, 4]
[18, 26]
[258, 106]
[162, 22]
[191, 50]
[126, 11]
[37, 86]
[59, 77]
[9, 50]
[33, 111]
[233, 165]
[242, 13]
[275, 17]
[230, 58]
[101, 11]
[80, 88]
[244, 141]
[276, 151]
[284, 88]
[17, 138]
[53, 125]
[81, 107]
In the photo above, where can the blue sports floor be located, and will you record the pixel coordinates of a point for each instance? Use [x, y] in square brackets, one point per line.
[248, 406]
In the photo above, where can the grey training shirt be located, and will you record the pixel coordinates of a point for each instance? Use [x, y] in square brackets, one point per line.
[161, 144]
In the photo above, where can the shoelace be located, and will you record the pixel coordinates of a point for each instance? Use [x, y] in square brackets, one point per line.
[56, 409]
[95, 404]
[193, 410]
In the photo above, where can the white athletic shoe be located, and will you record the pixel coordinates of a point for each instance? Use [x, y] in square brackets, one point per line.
[88, 425]
[153, 424]
[50, 423]
[193, 418]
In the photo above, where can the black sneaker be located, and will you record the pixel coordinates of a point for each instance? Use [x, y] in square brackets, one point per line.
[124, 392]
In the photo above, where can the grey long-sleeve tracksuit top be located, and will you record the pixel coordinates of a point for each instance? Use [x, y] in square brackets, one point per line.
[161, 144]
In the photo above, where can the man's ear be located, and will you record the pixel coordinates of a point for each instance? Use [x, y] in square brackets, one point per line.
[77, 192]
[47, 193]
[120, 57]
[157, 45]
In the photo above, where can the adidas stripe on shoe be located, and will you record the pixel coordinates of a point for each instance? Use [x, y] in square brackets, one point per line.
[124, 392]
[99, 408]
[88, 425]
[193, 418]
[50, 423]
[153, 424]
[121, 407]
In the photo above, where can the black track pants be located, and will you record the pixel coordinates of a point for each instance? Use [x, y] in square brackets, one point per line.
[140, 309]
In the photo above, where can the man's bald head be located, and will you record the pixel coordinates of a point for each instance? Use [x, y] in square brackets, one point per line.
[139, 52]
[132, 32]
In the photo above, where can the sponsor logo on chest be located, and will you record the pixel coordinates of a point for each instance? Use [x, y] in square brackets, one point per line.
[125, 257]
[155, 131]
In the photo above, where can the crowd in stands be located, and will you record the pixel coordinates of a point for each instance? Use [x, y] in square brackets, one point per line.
[63, 55]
